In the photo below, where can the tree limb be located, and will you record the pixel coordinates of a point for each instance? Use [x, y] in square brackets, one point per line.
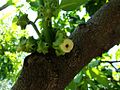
[99, 34]
[35, 27]
[4, 6]
[48, 72]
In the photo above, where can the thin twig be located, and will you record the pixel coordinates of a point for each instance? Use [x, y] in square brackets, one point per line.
[114, 67]
[36, 19]
[35, 27]
[4, 6]
[111, 63]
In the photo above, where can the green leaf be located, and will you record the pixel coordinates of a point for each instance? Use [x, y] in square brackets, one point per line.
[72, 86]
[21, 45]
[1, 46]
[84, 86]
[10, 2]
[60, 36]
[69, 5]
[96, 71]
[42, 47]
[23, 20]
[118, 54]
[15, 19]
[92, 73]
[92, 84]
[10, 67]
[34, 5]
[88, 74]
[31, 44]
[103, 80]
[78, 77]
[94, 63]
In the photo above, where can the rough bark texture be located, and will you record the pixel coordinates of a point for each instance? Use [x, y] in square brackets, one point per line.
[48, 72]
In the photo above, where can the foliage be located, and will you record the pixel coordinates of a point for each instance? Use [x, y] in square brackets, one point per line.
[10, 60]
[68, 5]
[49, 38]
[99, 74]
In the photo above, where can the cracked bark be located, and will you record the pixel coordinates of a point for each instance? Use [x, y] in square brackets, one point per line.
[48, 72]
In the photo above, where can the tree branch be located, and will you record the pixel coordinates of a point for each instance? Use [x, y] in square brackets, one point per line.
[111, 63]
[35, 27]
[49, 72]
[99, 34]
[36, 19]
[5, 6]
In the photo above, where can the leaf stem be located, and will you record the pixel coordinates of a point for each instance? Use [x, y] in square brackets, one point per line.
[4, 6]
[35, 27]
[111, 63]
[36, 19]
[47, 30]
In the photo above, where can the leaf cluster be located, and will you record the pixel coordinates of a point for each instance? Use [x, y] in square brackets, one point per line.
[50, 37]
[10, 60]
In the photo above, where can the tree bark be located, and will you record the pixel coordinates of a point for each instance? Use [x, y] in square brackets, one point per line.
[49, 72]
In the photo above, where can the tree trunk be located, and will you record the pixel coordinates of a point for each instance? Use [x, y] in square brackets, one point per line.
[49, 72]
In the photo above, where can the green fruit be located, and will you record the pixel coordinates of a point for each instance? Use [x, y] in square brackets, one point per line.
[67, 45]
[62, 44]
